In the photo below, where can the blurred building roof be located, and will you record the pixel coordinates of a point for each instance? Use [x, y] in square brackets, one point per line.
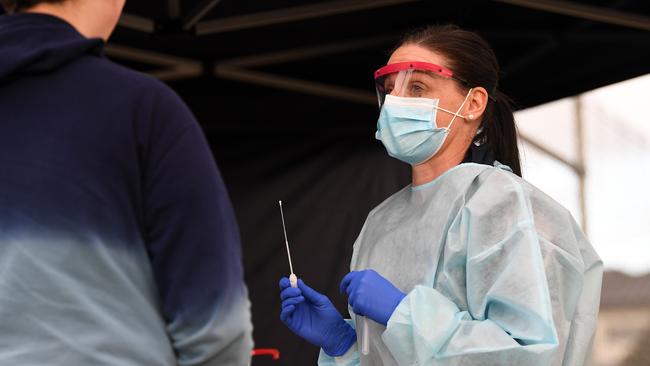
[621, 290]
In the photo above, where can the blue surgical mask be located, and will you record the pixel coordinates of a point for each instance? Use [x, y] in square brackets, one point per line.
[407, 128]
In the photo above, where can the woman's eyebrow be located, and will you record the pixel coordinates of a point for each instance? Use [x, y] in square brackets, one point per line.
[427, 74]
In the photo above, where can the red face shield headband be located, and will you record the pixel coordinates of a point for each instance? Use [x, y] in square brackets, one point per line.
[399, 78]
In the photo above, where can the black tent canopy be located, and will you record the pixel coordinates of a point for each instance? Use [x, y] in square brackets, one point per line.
[547, 49]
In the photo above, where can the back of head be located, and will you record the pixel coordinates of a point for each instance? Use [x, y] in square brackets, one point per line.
[91, 18]
[472, 59]
[20, 5]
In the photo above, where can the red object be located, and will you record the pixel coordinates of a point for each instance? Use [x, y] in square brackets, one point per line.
[401, 66]
[267, 352]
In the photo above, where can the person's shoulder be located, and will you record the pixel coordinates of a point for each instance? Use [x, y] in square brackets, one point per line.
[111, 75]
[390, 202]
[497, 191]
[526, 190]
[491, 183]
[122, 74]
[148, 102]
[499, 175]
[142, 92]
[553, 222]
[502, 182]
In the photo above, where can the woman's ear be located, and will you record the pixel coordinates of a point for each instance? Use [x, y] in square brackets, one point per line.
[476, 103]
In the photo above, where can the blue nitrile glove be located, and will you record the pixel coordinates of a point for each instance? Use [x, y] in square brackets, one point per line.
[312, 316]
[371, 295]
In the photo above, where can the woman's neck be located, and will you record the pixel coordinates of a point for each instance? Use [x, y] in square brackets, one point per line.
[429, 171]
[444, 160]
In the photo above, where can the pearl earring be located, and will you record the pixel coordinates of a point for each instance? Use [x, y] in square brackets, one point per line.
[471, 116]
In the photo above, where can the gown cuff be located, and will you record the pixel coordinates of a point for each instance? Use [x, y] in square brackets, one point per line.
[420, 325]
[350, 358]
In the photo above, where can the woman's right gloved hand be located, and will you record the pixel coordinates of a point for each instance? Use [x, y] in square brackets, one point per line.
[312, 316]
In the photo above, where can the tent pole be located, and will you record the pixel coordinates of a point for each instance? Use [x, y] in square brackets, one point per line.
[583, 11]
[198, 13]
[293, 14]
[580, 153]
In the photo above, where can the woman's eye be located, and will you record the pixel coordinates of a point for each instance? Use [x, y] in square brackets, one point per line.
[416, 89]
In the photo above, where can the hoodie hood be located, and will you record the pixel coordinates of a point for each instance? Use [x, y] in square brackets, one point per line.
[38, 43]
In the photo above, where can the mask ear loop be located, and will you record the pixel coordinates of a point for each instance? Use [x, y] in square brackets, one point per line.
[458, 111]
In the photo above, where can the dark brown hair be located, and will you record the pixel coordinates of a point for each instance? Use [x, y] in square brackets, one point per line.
[473, 61]
[18, 5]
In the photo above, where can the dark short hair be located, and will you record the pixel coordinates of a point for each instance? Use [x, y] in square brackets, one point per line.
[18, 5]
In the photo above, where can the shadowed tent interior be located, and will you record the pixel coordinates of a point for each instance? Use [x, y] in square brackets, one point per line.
[284, 92]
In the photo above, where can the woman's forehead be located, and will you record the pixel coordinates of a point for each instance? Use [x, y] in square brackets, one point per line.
[414, 52]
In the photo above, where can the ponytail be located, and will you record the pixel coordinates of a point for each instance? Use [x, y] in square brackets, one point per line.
[499, 132]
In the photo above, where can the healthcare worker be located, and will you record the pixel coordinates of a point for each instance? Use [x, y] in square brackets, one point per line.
[470, 264]
[118, 241]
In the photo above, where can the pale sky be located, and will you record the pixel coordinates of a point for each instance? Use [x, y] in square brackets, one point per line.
[617, 156]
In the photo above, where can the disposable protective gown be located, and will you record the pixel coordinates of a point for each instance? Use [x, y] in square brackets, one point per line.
[495, 272]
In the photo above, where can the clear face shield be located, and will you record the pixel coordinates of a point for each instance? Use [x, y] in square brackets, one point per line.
[411, 80]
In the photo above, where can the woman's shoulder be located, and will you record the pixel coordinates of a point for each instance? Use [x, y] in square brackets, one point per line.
[501, 182]
[554, 224]
[398, 198]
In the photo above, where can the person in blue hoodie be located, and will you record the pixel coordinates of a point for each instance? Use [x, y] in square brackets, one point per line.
[118, 242]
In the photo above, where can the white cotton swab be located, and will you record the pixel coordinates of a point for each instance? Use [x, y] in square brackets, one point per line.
[293, 279]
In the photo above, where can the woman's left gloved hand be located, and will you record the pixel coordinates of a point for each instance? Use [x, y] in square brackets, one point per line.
[371, 295]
